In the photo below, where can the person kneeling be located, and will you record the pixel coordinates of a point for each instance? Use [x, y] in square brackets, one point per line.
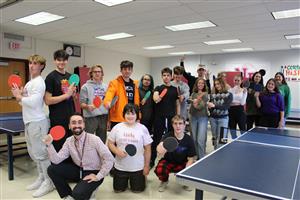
[177, 160]
[92, 162]
[131, 163]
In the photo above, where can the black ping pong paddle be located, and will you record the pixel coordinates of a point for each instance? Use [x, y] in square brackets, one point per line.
[170, 144]
[130, 149]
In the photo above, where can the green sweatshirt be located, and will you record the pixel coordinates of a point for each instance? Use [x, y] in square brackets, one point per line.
[286, 93]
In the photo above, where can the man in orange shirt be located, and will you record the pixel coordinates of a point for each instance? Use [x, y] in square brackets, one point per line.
[125, 89]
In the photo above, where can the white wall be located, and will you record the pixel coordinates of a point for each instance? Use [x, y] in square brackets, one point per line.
[109, 59]
[271, 61]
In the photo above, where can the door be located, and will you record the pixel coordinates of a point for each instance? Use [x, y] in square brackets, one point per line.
[8, 67]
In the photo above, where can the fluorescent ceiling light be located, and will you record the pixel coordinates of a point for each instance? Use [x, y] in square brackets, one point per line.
[295, 46]
[182, 53]
[222, 42]
[114, 36]
[290, 37]
[112, 2]
[190, 26]
[237, 49]
[159, 47]
[286, 14]
[39, 18]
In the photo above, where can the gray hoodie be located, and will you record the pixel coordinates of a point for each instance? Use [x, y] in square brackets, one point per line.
[88, 92]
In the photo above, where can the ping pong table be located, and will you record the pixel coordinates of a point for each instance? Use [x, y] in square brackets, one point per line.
[11, 124]
[263, 163]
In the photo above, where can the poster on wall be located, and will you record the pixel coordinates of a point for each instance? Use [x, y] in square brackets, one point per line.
[291, 72]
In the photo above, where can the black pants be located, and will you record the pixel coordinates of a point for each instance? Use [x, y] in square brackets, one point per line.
[137, 181]
[62, 173]
[162, 125]
[270, 120]
[237, 116]
[252, 119]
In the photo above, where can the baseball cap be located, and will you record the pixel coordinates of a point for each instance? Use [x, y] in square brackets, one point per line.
[201, 67]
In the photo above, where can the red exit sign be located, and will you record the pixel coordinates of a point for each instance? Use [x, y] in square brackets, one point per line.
[14, 45]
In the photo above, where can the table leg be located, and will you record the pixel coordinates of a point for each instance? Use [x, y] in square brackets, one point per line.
[198, 194]
[10, 157]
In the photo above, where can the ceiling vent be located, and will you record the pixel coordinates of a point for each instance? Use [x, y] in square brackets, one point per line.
[14, 36]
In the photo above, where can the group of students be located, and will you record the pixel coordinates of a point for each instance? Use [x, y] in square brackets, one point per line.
[142, 115]
[82, 154]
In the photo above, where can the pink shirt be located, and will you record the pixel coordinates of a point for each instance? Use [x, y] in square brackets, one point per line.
[96, 155]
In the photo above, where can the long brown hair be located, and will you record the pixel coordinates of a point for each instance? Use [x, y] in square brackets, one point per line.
[276, 89]
[195, 87]
[222, 83]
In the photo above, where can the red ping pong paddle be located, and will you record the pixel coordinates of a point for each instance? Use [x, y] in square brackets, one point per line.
[97, 101]
[130, 149]
[163, 93]
[57, 132]
[14, 79]
[170, 144]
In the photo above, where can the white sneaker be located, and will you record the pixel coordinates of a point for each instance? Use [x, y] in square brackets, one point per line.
[44, 189]
[36, 184]
[68, 198]
[162, 187]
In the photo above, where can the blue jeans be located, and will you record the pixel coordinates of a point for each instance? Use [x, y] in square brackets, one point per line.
[216, 124]
[199, 134]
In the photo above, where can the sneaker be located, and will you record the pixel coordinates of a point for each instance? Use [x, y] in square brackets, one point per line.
[69, 198]
[36, 184]
[162, 187]
[187, 188]
[44, 189]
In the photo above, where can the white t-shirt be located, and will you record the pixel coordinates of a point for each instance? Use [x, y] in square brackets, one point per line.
[238, 95]
[137, 135]
[33, 100]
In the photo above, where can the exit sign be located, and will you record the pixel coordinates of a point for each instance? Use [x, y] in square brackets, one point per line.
[14, 45]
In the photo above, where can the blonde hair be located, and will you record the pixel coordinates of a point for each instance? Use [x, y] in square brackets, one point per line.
[39, 59]
[92, 69]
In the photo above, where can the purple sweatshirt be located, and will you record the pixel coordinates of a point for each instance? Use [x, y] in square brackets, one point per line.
[271, 103]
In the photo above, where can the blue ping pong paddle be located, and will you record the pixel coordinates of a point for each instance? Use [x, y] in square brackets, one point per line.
[130, 149]
[170, 144]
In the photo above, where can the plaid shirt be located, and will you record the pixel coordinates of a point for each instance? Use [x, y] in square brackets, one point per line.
[88, 151]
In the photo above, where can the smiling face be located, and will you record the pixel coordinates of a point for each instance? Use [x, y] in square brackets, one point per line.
[237, 80]
[130, 117]
[97, 74]
[35, 68]
[178, 126]
[201, 85]
[271, 85]
[60, 64]
[279, 78]
[76, 124]
[257, 78]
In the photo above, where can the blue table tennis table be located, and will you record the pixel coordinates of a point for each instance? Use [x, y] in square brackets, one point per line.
[11, 124]
[263, 163]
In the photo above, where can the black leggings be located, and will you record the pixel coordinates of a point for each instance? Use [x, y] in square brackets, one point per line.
[270, 120]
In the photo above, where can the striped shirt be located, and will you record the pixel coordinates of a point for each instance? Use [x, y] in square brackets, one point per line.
[88, 151]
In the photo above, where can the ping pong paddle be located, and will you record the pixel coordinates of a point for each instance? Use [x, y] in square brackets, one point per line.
[163, 93]
[97, 101]
[178, 91]
[147, 95]
[170, 144]
[74, 78]
[57, 132]
[114, 101]
[246, 84]
[14, 79]
[262, 72]
[130, 149]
